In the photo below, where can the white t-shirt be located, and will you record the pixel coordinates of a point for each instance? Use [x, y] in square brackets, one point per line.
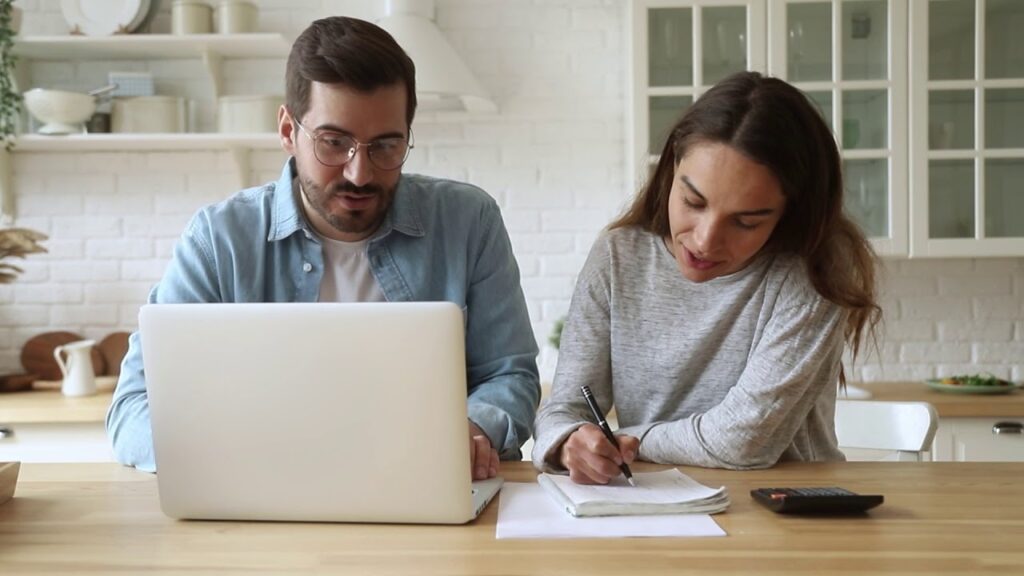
[347, 274]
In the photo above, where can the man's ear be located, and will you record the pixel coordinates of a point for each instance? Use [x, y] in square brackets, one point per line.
[286, 130]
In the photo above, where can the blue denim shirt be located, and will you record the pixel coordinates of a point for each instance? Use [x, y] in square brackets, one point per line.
[440, 241]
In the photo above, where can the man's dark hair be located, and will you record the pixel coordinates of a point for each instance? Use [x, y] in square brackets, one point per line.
[349, 51]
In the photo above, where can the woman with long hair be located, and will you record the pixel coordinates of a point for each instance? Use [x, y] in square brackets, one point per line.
[713, 313]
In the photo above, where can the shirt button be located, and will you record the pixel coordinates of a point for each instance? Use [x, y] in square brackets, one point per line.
[307, 267]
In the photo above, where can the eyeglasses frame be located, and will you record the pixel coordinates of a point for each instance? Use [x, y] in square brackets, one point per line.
[358, 146]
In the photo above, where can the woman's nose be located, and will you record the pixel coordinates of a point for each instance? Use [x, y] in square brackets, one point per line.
[706, 236]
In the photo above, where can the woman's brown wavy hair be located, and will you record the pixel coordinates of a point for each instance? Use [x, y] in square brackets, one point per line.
[774, 124]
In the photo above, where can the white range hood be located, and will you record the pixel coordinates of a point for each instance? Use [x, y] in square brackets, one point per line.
[443, 82]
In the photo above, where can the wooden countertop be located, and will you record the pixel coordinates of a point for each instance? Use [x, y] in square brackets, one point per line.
[938, 518]
[45, 403]
[948, 405]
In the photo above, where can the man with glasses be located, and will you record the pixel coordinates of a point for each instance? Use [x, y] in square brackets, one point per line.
[344, 224]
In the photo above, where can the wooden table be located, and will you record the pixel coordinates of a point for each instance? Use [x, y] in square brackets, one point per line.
[938, 518]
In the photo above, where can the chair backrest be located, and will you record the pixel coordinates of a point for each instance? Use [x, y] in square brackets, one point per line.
[903, 428]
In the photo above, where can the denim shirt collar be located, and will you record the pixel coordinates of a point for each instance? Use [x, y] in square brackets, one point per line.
[403, 216]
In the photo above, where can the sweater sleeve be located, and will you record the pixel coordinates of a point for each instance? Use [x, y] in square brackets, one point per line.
[584, 358]
[796, 359]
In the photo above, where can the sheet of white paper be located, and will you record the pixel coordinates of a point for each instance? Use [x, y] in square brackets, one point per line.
[526, 511]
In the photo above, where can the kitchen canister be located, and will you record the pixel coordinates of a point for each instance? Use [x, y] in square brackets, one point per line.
[236, 17]
[149, 114]
[191, 17]
[248, 114]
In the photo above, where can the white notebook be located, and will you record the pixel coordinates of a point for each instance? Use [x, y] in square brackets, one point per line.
[666, 492]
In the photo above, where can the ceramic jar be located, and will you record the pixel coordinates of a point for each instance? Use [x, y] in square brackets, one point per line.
[236, 17]
[191, 17]
[248, 114]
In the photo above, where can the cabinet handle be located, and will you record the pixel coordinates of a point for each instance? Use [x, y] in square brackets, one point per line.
[6, 431]
[1008, 428]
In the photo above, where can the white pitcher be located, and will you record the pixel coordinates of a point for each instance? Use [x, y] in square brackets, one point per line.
[77, 370]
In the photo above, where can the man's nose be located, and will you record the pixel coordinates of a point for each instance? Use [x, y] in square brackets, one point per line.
[359, 169]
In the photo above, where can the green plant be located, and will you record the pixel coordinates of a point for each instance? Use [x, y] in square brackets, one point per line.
[17, 243]
[10, 99]
[556, 333]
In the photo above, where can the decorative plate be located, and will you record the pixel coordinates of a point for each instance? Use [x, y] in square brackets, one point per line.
[145, 17]
[104, 17]
[938, 384]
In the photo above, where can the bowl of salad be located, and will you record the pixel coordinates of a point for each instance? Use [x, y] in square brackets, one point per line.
[972, 384]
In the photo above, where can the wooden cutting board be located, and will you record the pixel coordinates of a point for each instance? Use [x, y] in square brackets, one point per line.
[17, 382]
[113, 347]
[37, 355]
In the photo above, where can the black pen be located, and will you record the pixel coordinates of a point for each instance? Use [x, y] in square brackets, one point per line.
[603, 424]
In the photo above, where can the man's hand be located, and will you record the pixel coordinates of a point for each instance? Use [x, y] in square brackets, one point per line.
[483, 459]
[591, 459]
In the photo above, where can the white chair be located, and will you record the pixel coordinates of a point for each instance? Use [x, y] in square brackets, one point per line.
[866, 429]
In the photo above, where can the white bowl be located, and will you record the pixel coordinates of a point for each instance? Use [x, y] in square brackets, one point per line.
[62, 112]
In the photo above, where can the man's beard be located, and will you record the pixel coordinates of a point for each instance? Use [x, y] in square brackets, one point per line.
[351, 222]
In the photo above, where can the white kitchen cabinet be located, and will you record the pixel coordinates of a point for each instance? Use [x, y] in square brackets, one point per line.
[925, 98]
[679, 49]
[850, 58]
[967, 121]
[989, 439]
[43, 425]
[55, 442]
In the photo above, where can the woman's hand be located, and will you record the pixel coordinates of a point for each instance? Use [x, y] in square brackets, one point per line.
[591, 459]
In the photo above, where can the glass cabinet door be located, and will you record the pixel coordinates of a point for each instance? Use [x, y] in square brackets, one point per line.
[848, 56]
[967, 121]
[680, 49]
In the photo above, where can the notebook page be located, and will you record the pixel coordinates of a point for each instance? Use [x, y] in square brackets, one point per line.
[665, 487]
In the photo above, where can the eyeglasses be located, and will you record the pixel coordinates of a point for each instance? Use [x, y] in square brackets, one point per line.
[336, 149]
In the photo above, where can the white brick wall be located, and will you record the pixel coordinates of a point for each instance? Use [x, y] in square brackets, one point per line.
[949, 316]
[553, 157]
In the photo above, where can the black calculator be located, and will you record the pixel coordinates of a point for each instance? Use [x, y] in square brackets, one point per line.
[827, 500]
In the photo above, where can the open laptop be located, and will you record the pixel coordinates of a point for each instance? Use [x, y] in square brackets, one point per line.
[311, 412]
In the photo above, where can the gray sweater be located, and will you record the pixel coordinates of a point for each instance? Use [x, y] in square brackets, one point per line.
[737, 372]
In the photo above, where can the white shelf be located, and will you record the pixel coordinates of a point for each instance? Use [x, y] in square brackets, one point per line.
[149, 142]
[239, 145]
[210, 49]
[152, 46]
